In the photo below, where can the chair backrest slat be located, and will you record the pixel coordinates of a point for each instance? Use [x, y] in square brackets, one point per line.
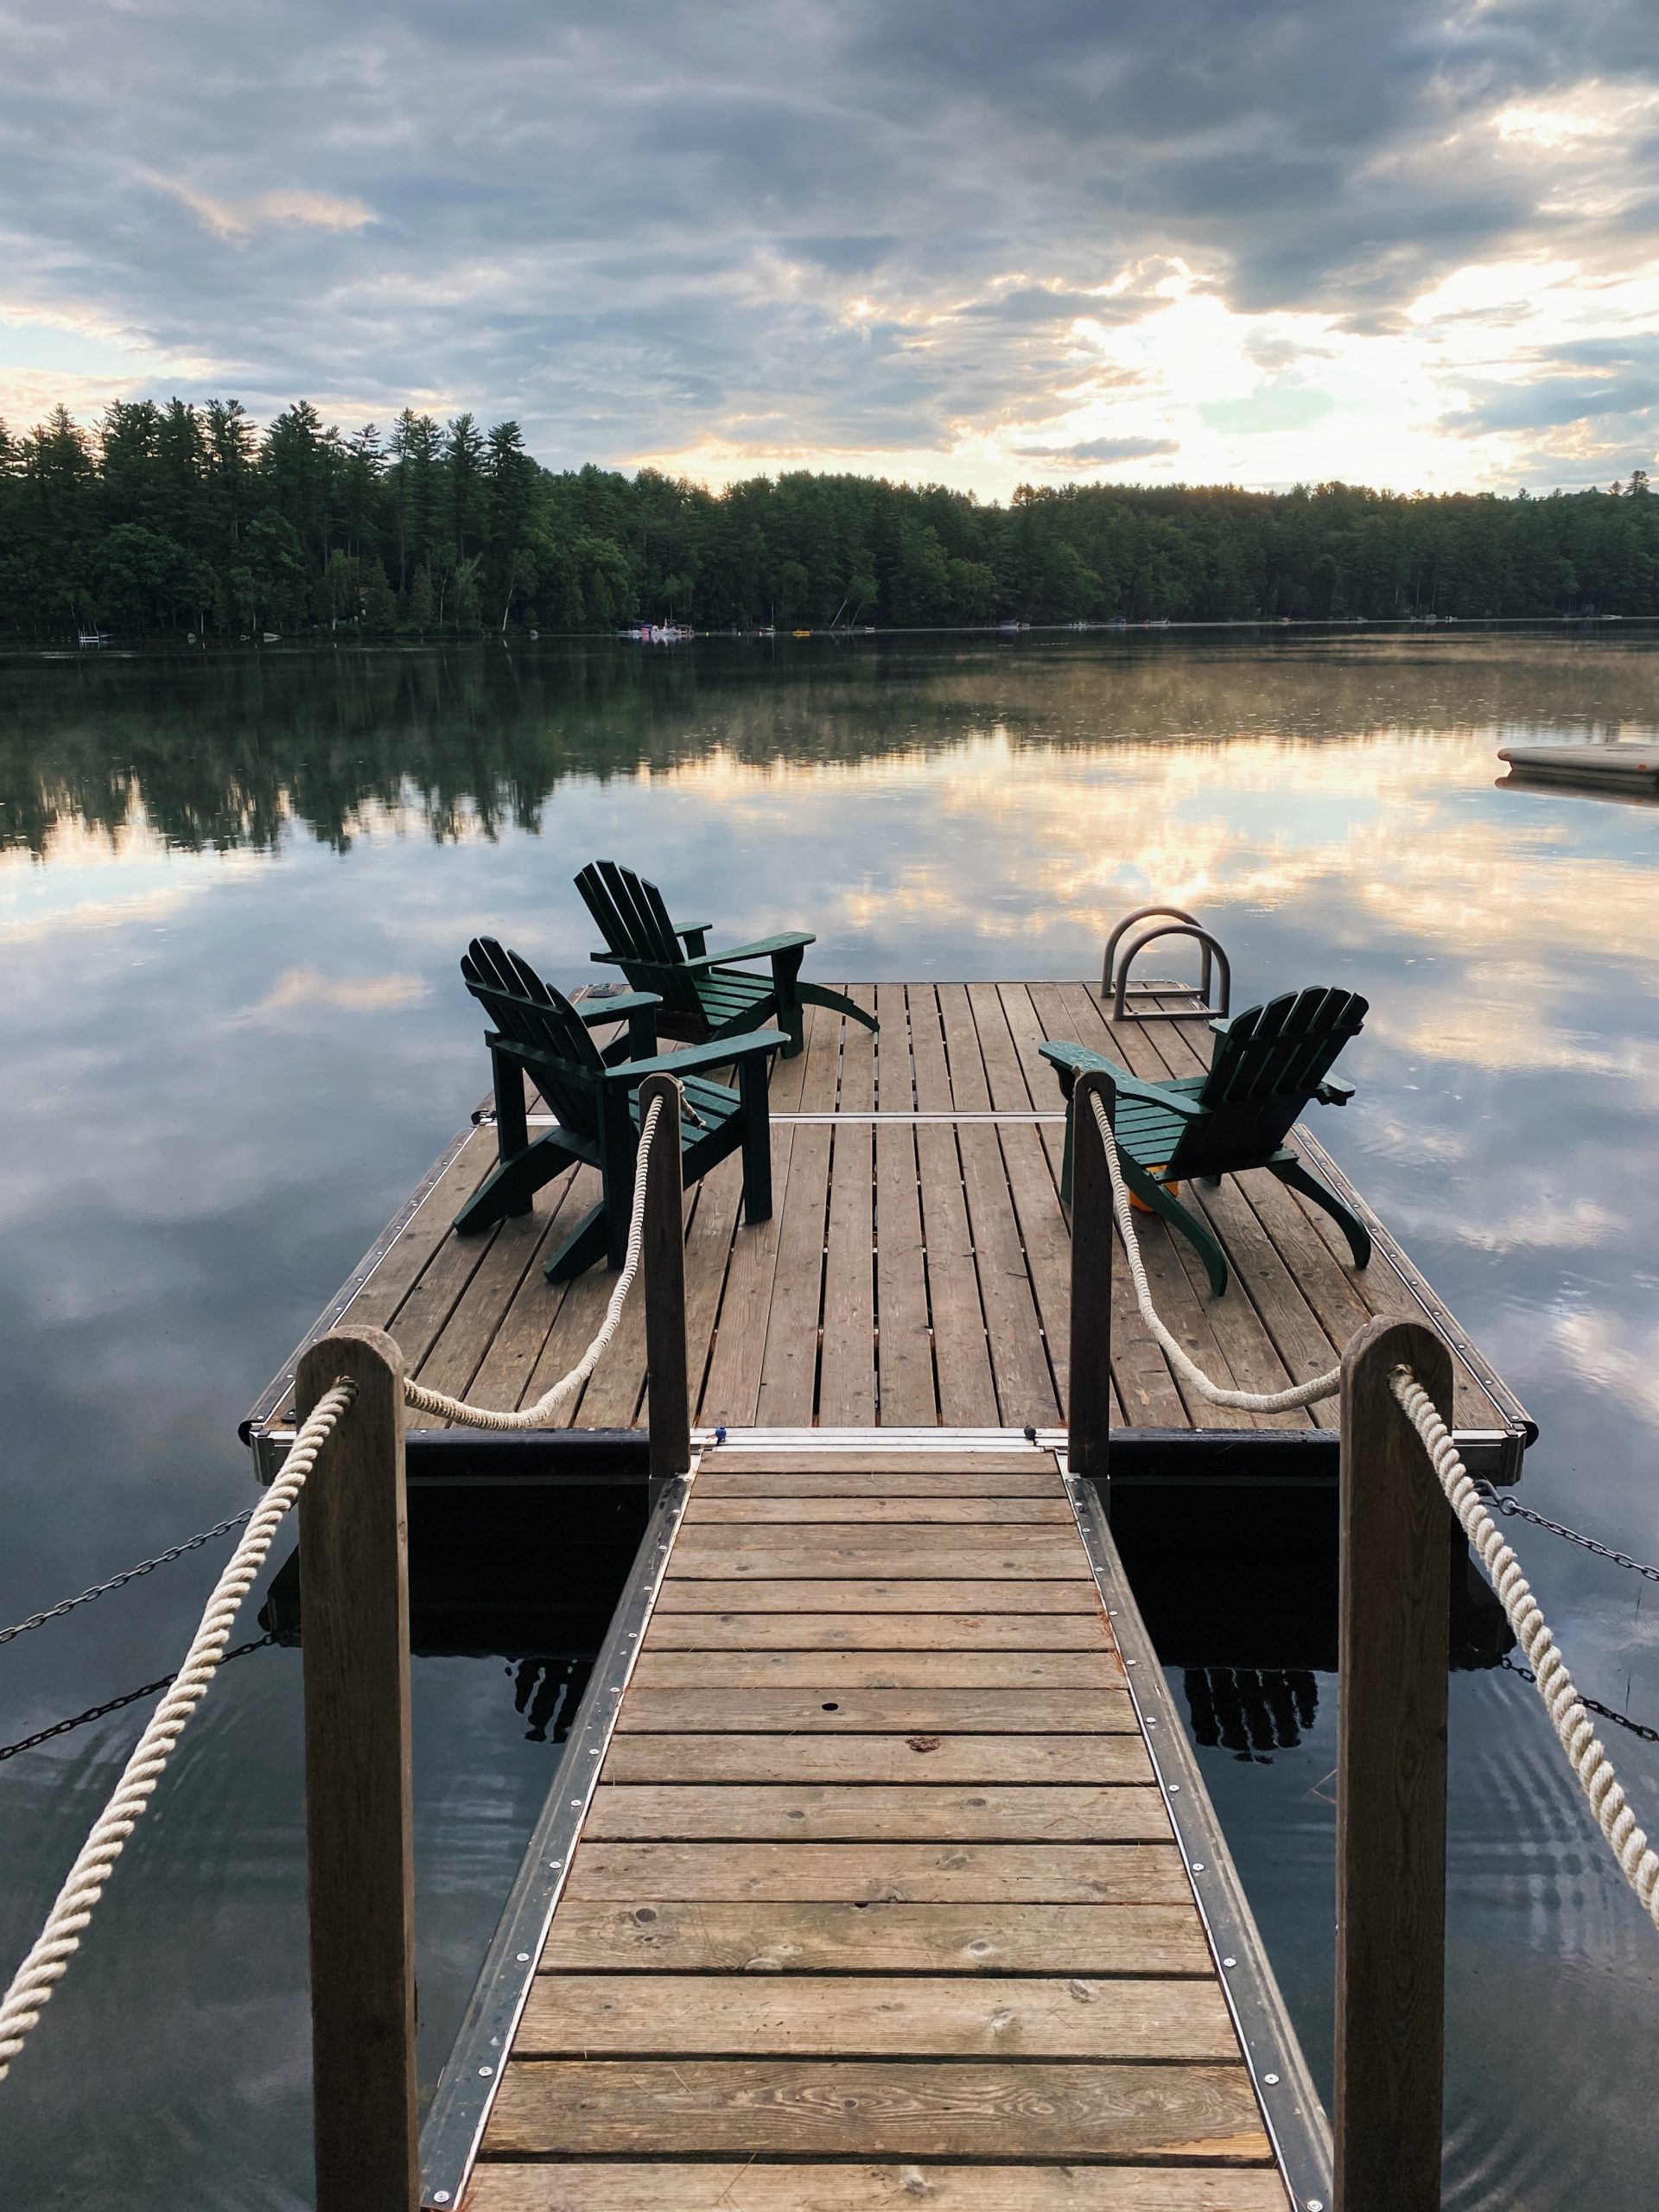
[635, 923]
[544, 1026]
[1265, 1069]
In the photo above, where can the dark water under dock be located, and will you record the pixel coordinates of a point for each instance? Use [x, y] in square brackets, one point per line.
[233, 895]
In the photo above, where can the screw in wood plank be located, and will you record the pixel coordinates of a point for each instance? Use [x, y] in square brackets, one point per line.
[1230, 1963]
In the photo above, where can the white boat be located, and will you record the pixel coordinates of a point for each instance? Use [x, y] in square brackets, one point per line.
[1623, 764]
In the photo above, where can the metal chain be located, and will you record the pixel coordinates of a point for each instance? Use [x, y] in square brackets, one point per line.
[115, 1703]
[1590, 1704]
[1516, 1512]
[132, 1573]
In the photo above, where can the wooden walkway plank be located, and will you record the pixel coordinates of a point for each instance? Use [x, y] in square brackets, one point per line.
[918, 2110]
[839, 1555]
[933, 1512]
[970, 1632]
[847, 1360]
[729, 1478]
[713, 2185]
[905, 1347]
[881, 1670]
[875, 1813]
[653, 1936]
[925, 1759]
[861, 1712]
[896, 1873]
[874, 1595]
[938, 2016]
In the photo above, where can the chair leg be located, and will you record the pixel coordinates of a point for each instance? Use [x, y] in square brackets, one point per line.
[753, 1079]
[1301, 1178]
[580, 1249]
[1153, 1194]
[816, 995]
[512, 1183]
[786, 984]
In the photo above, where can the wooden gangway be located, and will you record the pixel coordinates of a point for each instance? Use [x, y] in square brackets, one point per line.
[915, 1270]
[891, 1884]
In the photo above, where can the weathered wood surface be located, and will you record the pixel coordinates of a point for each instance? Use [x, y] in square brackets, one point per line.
[913, 1275]
[358, 1802]
[909, 2015]
[851, 1901]
[618, 2185]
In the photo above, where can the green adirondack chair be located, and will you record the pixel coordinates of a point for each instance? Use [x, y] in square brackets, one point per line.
[1267, 1063]
[595, 1094]
[705, 994]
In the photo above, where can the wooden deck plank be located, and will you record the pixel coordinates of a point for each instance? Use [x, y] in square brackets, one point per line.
[874, 1812]
[841, 1554]
[844, 1512]
[972, 1632]
[617, 2185]
[1075, 2110]
[905, 1343]
[664, 1669]
[860, 1457]
[731, 1387]
[847, 1358]
[897, 1873]
[924, 1758]
[656, 1936]
[935, 2016]
[725, 1475]
[875, 1594]
[863, 1712]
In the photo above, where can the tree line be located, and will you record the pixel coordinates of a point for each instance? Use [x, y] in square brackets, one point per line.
[185, 520]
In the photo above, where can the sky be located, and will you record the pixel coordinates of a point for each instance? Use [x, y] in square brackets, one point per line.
[942, 240]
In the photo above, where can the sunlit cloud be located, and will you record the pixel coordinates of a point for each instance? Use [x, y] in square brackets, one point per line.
[308, 988]
[1358, 242]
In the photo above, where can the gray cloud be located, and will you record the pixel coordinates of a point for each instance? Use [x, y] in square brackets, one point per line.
[633, 228]
[1095, 452]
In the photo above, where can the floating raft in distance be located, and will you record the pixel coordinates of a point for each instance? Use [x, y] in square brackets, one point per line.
[1619, 766]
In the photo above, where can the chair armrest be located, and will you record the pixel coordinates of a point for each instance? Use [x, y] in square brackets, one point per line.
[760, 951]
[614, 1009]
[689, 930]
[1334, 1091]
[718, 1055]
[1174, 1101]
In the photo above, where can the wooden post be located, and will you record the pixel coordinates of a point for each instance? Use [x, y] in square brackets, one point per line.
[1391, 1666]
[359, 1811]
[1089, 1386]
[668, 1405]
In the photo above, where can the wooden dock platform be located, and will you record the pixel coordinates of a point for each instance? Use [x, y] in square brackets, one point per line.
[915, 1272]
[891, 1882]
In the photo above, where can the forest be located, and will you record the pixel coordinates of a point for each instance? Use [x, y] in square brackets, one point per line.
[192, 522]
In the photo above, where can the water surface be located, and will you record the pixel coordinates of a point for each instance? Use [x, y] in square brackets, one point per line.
[232, 894]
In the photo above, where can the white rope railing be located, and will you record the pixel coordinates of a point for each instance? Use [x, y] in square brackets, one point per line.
[59, 1940]
[1638, 1861]
[1246, 1402]
[539, 1414]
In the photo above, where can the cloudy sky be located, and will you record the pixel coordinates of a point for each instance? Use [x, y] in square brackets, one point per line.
[951, 239]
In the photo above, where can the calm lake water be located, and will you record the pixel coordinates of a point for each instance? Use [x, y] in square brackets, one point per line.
[232, 894]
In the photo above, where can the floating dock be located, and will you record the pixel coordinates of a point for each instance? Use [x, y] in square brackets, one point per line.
[1623, 765]
[879, 1868]
[915, 1272]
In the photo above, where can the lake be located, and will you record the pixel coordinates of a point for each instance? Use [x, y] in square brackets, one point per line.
[233, 895]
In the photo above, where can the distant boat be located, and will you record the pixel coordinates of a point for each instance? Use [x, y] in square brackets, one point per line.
[270, 637]
[800, 634]
[96, 637]
[1621, 765]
